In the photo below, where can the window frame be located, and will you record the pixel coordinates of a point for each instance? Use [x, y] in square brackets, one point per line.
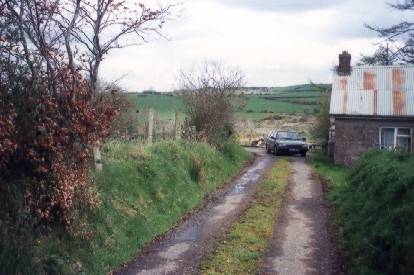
[396, 135]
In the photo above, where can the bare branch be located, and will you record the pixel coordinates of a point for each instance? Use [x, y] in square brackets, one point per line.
[211, 95]
[400, 33]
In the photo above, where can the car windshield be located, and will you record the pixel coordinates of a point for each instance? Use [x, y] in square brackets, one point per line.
[288, 135]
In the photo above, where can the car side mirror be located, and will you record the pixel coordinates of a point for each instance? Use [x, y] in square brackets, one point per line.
[304, 139]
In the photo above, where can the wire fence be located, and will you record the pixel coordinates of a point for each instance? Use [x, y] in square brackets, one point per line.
[148, 128]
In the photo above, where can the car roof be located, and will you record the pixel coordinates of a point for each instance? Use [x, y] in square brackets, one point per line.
[287, 131]
[282, 130]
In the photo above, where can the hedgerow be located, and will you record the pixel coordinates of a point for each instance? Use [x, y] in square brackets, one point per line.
[376, 211]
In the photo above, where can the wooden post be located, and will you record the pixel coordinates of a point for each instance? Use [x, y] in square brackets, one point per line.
[150, 125]
[97, 158]
[176, 126]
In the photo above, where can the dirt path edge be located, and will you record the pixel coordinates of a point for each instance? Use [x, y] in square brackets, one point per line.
[307, 209]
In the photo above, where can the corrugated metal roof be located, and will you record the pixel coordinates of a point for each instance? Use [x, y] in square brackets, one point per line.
[374, 90]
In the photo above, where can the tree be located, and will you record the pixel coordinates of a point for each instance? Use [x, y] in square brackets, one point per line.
[50, 111]
[401, 34]
[384, 56]
[321, 129]
[82, 32]
[211, 95]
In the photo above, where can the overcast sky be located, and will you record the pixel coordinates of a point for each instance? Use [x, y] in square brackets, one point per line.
[274, 42]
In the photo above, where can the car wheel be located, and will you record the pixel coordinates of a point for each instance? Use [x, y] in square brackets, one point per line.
[268, 150]
[303, 155]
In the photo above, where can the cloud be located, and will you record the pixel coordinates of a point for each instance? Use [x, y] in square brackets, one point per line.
[283, 5]
[273, 48]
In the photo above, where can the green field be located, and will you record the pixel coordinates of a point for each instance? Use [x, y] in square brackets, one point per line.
[260, 103]
[164, 105]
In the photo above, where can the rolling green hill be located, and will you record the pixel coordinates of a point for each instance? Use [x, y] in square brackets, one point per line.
[261, 102]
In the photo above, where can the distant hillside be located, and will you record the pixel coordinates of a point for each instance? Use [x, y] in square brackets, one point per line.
[262, 101]
[258, 90]
[288, 89]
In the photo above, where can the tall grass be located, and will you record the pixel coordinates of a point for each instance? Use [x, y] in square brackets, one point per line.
[375, 208]
[144, 191]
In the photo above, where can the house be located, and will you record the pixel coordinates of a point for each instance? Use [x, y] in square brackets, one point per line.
[372, 107]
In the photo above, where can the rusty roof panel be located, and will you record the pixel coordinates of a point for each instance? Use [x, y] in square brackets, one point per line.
[374, 90]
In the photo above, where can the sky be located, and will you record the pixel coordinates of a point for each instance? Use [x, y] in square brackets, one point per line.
[273, 42]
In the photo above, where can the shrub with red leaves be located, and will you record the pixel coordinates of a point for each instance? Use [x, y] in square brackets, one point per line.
[48, 137]
[51, 108]
[7, 145]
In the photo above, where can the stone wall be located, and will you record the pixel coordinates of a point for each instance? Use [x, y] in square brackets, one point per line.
[354, 136]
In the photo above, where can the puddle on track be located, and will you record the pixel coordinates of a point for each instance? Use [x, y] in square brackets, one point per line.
[181, 251]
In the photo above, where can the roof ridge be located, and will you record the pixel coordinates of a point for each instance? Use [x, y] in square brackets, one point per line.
[382, 66]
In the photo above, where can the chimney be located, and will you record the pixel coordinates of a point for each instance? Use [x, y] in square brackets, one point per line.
[344, 67]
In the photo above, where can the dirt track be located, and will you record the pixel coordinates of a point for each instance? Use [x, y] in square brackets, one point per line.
[182, 249]
[301, 243]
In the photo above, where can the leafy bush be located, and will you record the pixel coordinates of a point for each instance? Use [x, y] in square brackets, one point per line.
[211, 96]
[47, 138]
[320, 130]
[232, 151]
[376, 210]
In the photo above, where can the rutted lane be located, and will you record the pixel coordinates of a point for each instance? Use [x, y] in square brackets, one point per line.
[301, 243]
[181, 251]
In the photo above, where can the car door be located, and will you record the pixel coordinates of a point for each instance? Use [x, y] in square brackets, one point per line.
[271, 140]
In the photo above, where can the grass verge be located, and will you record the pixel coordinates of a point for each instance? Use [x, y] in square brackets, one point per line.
[248, 238]
[335, 176]
[374, 207]
[144, 191]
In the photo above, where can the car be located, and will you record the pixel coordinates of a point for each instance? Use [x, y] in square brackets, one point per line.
[286, 142]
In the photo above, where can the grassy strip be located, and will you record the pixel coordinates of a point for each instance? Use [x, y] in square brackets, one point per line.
[335, 175]
[248, 238]
[144, 191]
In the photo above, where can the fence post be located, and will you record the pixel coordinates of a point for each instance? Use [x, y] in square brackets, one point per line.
[176, 130]
[150, 125]
[97, 158]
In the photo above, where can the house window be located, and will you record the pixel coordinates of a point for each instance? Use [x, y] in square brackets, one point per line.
[396, 138]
